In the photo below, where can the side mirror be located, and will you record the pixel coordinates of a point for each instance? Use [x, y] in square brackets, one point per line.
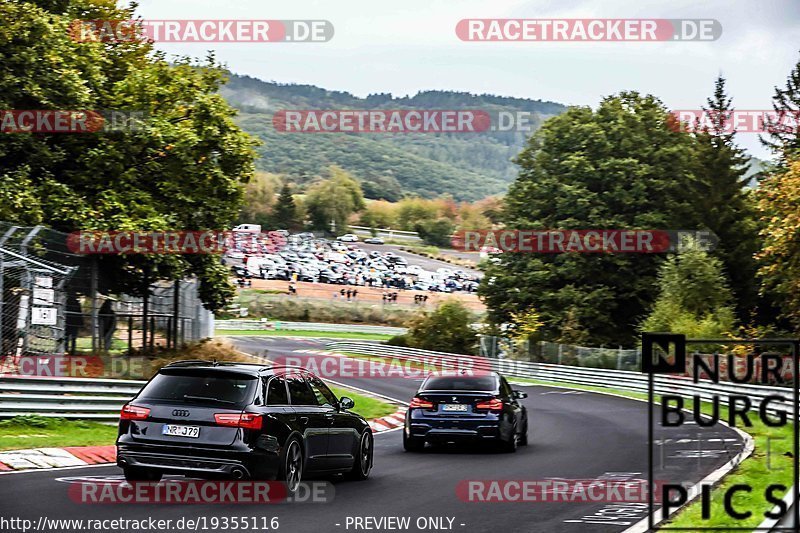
[346, 403]
[518, 394]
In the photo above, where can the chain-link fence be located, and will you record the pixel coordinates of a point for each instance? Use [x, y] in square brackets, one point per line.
[52, 302]
[560, 354]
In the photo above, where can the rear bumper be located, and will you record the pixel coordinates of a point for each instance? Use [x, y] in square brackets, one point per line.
[236, 464]
[483, 433]
[439, 429]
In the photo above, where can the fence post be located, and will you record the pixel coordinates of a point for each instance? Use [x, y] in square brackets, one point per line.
[560, 352]
[145, 302]
[130, 334]
[619, 358]
[93, 296]
[176, 303]
[152, 332]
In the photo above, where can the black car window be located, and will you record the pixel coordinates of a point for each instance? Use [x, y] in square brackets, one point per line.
[476, 383]
[213, 388]
[300, 391]
[276, 392]
[324, 395]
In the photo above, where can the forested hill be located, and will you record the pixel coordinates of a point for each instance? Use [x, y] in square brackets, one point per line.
[468, 166]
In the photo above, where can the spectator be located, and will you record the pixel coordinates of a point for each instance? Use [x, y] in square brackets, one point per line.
[349, 292]
[74, 322]
[355, 293]
[108, 323]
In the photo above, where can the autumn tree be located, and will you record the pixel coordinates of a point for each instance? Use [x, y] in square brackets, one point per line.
[779, 206]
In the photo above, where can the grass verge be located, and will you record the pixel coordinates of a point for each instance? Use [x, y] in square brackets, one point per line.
[366, 406]
[303, 333]
[31, 431]
[39, 432]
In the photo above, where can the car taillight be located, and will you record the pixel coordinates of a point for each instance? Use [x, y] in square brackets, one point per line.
[235, 420]
[492, 405]
[132, 412]
[419, 403]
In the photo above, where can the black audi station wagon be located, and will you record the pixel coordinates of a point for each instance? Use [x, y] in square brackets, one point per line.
[241, 421]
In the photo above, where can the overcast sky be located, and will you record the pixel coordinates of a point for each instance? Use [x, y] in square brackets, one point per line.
[410, 45]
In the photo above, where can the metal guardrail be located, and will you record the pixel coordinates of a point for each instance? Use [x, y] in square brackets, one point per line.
[387, 233]
[74, 398]
[280, 325]
[596, 377]
[101, 399]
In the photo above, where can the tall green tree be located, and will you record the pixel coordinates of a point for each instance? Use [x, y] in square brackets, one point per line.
[446, 329]
[694, 297]
[334, 200]
[620, 166]
[783, 139]
[286, 213]
[180, 166]
[724, 204]
[435, 232]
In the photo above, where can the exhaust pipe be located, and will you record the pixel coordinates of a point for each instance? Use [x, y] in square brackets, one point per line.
[237, 473]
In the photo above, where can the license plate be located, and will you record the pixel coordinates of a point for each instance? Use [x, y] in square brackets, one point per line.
[457, 407]
[180, 431]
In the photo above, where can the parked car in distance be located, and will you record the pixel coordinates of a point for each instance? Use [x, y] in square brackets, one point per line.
[347, 237]
[241, 421]
[466, 407]
[373, 240]
[248, 228]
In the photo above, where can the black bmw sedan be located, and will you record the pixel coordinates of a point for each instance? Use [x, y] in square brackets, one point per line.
[241, 421]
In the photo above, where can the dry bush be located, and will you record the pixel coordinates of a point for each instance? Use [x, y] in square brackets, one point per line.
[205, 350]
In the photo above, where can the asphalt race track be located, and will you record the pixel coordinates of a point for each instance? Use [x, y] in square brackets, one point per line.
[572, 435]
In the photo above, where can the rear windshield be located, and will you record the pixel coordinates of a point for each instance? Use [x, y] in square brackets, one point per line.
[479, 383]
[211, 389]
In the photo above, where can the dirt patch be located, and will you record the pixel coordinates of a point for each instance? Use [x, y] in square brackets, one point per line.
[324, 291]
